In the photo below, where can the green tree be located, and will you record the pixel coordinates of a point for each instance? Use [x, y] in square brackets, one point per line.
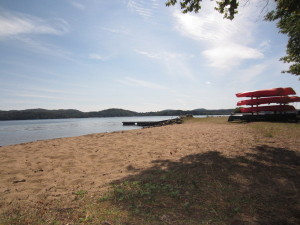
[286, 13]
[226, 7]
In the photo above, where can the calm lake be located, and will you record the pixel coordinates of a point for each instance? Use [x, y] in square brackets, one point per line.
[21, 131]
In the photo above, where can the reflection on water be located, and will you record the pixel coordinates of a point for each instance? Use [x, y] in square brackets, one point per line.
[21, 131]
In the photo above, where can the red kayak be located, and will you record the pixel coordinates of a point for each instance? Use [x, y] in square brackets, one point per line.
[278, 99]
[278, 108]
[268, 92]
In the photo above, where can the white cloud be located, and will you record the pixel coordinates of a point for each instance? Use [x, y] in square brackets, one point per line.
[204, 27]
[225, 57]
[14, 24]
[227, 42]
[141, 83]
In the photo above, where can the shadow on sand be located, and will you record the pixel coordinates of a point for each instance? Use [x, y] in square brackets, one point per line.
[261, 187]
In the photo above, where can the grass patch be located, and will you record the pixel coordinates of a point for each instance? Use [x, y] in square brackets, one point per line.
[80, 193]
[263, 129]
[276, 130]
[212, 189]
[208, 119]
[172, 198]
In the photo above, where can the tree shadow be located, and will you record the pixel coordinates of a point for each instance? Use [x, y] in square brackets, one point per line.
[261, 187]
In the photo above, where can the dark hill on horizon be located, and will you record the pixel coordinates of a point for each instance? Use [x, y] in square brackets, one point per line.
[30, 114]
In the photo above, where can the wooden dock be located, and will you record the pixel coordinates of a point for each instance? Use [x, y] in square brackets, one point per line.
[153, 123]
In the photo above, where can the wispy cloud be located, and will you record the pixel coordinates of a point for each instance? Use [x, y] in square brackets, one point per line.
[156, 4]
[25, 29]
[265, 45]
[29, 95]
[248, 77]
[47, 100]
[141, 83]
[121, 30]
[175, 63]
[45, 94]
[162, 54]
[25, 78]
[98, 57]
[227, 42]
[176, 95]
[13, 24]
[38, 46]
[250, 73]
[34, 89]
[143, 8]
[148, 54]
[78, 5]
[139, 7]
[7, 103]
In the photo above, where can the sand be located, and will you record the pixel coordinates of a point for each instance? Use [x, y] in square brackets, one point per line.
[54, 169]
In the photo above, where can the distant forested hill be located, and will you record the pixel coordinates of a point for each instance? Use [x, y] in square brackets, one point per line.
[30, 114]
[112, 113]
[190, 112]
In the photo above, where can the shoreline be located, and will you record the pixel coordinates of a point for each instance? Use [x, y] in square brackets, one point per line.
[27, 128]
[47, 164]
[17, 132]
[53, 139]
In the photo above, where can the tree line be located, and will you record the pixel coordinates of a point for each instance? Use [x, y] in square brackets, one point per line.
[30, 114]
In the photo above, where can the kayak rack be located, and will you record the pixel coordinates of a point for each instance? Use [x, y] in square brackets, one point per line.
[261, 110]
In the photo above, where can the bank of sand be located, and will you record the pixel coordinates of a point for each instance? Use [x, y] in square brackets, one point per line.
[48, 170]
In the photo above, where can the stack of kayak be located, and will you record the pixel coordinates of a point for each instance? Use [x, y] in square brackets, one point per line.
[278, 97]
[267, 105]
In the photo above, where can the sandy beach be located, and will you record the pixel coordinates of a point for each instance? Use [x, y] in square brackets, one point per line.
[45, 171]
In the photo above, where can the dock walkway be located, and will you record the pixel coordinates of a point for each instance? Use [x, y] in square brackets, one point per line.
[153, 123]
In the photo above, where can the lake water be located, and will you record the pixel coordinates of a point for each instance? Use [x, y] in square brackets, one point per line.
[22, 131]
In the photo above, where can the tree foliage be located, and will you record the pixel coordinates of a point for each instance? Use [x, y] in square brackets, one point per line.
[226, 7]
[286, 13]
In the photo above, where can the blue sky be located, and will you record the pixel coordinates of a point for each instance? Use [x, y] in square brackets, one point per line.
[134, 54]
